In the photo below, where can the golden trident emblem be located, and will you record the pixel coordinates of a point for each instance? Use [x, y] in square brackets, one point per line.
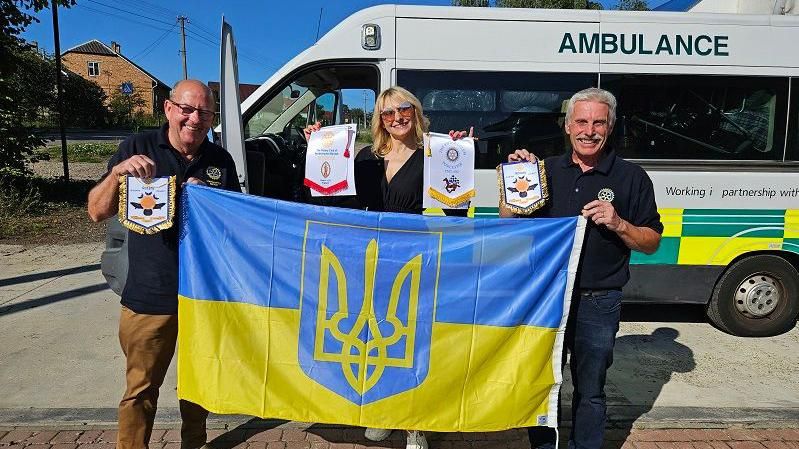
[354, 351]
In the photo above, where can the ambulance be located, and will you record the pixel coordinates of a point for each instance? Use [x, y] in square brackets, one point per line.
[708, 105]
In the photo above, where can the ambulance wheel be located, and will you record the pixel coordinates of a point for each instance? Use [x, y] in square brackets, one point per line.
[756, 297]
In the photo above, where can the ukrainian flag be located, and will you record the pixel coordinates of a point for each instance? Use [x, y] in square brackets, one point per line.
[385, 320]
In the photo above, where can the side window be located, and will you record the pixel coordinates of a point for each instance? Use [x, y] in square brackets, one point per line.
[325, 109]
[792, 152]
[508, 110]
[714, 118]
[321, 94]
[332, 94]
[258, 123]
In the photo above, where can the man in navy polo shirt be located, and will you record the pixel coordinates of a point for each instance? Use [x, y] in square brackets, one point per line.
[617, 199]
[148, 323]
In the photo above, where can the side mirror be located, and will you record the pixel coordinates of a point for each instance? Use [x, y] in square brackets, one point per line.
[295, 94]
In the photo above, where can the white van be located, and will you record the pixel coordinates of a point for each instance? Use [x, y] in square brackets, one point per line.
[707, 105]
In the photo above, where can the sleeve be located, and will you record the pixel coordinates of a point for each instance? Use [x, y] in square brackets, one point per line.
[646, 210]
[232, 183]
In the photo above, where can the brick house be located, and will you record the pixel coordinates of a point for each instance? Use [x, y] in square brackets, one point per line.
[106, 66]
[245, 90]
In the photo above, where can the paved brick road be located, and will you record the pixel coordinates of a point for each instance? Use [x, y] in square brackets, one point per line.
[290, 436]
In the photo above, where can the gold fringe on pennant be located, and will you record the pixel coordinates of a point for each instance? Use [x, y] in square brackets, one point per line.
[135, 227]
[542, 175]
[451, 202]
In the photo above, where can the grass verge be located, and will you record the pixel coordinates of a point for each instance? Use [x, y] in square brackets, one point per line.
[79, 152]
[45, 211]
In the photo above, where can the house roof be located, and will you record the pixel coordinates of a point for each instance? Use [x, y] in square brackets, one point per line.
[95, 47]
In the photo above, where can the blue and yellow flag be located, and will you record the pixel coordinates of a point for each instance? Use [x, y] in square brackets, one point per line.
[384, 320]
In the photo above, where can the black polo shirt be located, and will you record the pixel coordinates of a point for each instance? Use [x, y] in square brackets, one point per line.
[152, 282]
[605, 257]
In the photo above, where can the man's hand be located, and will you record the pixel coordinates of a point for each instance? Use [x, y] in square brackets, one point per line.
[638, 238]
[522, 155]
[193, 180]
[603, 213]
[137, 165]
[103, 199]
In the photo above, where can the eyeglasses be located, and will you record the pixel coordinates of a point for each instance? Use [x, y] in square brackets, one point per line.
[188, 110]
[405, 110]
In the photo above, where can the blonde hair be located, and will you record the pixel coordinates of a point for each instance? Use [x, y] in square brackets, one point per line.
[381, 138]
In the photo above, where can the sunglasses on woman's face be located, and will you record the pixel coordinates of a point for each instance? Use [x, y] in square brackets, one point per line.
[405, 110]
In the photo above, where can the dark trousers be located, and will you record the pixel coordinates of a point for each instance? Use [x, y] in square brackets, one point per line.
[590, 337]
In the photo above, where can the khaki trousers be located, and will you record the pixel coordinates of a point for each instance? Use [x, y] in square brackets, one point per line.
[148, 342]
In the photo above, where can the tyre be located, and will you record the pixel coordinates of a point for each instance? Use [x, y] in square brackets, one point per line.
[756, 297]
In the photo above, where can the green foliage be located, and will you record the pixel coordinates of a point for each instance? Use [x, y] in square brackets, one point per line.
[549, 4]
[632, 5]
[473, 3]
[17, 139]
[19, 198]
[80, 152]
[123, 108]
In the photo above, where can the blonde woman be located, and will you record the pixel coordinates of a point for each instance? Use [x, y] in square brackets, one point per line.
[389, 174]
[389, 177]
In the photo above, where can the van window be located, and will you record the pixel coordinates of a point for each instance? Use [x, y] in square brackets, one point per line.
[792, 152]
[311, 95]
[508, 110]
[713, 118]
[331, 93]
[272, 109]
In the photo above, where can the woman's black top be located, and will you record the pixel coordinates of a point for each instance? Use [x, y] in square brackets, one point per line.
[375, 193]
[402, 194]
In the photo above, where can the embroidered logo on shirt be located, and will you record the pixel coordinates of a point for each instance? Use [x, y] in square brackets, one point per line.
[606, 195]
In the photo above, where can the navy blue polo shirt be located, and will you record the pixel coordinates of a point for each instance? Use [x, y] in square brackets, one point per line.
[152, 282]
[605, 257]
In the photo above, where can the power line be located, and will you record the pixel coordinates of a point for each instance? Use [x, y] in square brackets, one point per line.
[148, 49]
[150, 5]
[129, 12]
[215, 45]
[242, 48]
[122, 17]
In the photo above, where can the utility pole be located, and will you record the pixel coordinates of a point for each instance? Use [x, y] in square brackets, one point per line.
[60, 97]
[364, 110]
[318, 24]
[182, 20]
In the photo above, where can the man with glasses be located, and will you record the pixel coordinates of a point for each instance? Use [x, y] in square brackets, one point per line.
[148, 323]
[617, 199]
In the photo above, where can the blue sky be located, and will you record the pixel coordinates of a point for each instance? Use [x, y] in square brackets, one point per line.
[268, 32]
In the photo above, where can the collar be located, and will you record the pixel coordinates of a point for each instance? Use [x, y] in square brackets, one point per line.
[604, 166]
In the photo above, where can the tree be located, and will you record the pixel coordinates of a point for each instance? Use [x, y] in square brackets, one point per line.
[17, 139]
[550, 4]
[34, 88]
[122, 107]
[632, 5]
[480, 3]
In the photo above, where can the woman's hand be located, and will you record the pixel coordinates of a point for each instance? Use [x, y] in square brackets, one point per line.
[311, 128]
[455, 135]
